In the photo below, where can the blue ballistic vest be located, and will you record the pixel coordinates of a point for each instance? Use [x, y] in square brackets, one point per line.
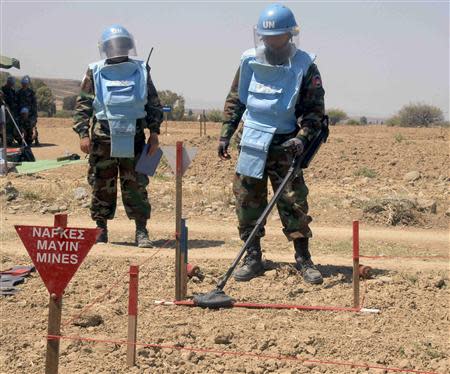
[120, 98]
[270, 94]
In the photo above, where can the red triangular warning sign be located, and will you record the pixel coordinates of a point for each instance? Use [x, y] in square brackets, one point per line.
[57, 252]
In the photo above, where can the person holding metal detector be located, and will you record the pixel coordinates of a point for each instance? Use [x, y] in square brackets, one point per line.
[278, 93]
[118, 93]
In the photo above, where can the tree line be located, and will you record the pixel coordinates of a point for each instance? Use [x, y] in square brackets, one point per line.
[410, 115]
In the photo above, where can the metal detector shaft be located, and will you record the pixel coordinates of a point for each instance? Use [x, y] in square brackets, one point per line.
[17, 127]
[261, 220]
[302, 161]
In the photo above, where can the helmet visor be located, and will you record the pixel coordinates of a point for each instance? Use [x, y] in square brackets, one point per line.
[117, 47]
[275, 49]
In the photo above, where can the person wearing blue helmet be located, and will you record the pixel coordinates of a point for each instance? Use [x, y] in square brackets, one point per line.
[26, 126]
[277, 92]
[26, 98]
[117, 93]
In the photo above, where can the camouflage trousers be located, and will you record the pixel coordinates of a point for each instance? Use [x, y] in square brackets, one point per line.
[102, 176]
[251, 198]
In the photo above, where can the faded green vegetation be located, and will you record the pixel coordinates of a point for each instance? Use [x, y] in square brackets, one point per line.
[365, 172]
[418, 115]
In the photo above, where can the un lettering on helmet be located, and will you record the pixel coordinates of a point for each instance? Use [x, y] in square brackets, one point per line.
[269, 24]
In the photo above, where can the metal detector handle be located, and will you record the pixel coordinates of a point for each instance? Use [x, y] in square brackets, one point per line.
[315, 144]
[17, 127]
[297, 163]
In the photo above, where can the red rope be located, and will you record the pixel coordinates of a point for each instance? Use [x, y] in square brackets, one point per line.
[273, 306]
[239, 354]
[406, 257]
[238, 304]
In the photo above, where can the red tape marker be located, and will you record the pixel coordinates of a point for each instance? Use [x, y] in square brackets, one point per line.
[133, 290]
[243, 354]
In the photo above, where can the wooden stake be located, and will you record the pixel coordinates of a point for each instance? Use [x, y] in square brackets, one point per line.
[54, 318]
[54, 328]
[356, 264]
[132, 314]
[204, 123]
[179, 295]
[165, 117]
[184, 257]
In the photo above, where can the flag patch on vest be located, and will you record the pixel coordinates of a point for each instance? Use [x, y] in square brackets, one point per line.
[317, 81]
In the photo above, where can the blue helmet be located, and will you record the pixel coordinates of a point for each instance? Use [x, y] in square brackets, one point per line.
[116, 41]
[11, 80]
[26, 80]
[24, 110]
[277, 19]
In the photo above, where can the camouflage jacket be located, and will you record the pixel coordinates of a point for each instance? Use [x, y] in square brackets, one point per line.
[10, 97]
[25, 123]
[84, 111]
[27, 98]
[309, 110]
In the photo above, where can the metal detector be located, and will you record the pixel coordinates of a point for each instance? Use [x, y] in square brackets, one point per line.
[27, 152]
[217, 298]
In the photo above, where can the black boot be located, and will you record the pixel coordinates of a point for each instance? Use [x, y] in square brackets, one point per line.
[103, 236]
[142, 240]
[253, 266]
[304, 264]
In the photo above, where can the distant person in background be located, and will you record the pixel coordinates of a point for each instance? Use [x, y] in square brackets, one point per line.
[10, 99]
[118, 94]
[26, 125]
[26, 98]
[278, 93]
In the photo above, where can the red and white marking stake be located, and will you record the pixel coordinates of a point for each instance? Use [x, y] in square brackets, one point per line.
[132, 314]
[57, 252]
[356, 264]
[180, 267]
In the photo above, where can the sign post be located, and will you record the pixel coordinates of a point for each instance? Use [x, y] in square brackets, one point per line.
[180, 271]
[166, 109]
[179, 159]
[57, 252]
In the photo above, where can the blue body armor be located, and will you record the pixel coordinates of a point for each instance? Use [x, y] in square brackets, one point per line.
[270, 94]
[120, 98]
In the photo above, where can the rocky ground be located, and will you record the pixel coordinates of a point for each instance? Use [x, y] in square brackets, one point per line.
[394, 180]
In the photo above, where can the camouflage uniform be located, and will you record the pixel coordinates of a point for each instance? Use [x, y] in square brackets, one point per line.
[26, 127]
[104, 169]
[251, 193]
[27, 98]
[10, 99]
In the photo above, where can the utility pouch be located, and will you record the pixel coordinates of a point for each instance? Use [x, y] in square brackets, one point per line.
[255, 143]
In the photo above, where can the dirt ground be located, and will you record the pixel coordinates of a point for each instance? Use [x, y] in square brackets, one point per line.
[394, 180]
